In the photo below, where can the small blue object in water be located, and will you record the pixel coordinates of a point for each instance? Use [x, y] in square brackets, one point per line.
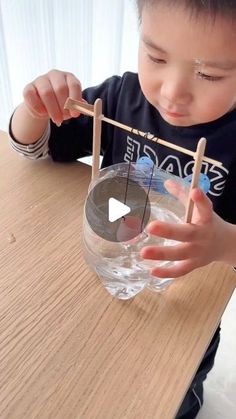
[146, 162]
[204, 182]
[145, 165]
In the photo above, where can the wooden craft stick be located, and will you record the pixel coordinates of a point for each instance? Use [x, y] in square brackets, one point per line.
[195, 179]
[79, 106]
[97, 128]
[149, 136]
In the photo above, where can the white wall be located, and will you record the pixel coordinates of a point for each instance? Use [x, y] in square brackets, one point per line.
[92, 38]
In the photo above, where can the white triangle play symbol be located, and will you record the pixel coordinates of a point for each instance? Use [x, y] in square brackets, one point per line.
[116, 209]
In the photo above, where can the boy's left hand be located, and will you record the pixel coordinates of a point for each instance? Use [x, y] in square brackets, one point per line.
[201, 241]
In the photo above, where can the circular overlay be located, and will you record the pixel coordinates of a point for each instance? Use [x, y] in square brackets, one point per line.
[117, 209]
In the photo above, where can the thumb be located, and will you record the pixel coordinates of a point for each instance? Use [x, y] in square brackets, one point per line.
[203, 206]
[178, 190]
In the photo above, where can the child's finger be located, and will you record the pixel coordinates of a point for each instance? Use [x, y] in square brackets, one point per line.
[48, 98]
[180, 232]
[60, 89]
[176, 270]
[171, 253]
[177, 190]
[203, 205]
[33, 101]
[75, 91]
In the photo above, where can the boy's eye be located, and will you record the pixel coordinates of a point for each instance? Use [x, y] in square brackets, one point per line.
[156, 60]
[207, 77]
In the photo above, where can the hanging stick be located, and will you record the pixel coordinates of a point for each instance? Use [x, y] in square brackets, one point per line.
[95, 111]
[87, 109]
[196, 173]
[97, 128]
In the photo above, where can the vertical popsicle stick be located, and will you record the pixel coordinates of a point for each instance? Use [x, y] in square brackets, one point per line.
[97, 130]
[196, 173]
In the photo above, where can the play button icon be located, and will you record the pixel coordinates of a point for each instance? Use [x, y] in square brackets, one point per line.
[117, 210]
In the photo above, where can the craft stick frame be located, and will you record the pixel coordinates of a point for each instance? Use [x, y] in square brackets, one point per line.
[95, 111]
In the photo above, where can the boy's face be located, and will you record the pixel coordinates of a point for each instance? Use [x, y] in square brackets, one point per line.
[187, 65]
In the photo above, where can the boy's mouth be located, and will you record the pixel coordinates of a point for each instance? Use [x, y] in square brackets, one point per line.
[170, 113]
[173, 114]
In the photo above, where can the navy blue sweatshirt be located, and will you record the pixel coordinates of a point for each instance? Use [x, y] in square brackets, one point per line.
[124, 102]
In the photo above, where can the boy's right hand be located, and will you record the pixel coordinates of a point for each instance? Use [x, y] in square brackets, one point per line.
[45, 97]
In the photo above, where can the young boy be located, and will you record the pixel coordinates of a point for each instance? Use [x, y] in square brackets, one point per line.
[185, 89]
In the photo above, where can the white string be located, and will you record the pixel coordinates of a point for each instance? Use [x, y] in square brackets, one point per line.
[198, 399]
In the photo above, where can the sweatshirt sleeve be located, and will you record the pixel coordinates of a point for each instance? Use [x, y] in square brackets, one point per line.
[37, 150]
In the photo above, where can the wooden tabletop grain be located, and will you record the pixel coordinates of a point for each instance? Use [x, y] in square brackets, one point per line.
[68, 350]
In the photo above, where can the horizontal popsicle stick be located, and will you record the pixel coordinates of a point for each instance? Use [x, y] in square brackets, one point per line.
[82, 107]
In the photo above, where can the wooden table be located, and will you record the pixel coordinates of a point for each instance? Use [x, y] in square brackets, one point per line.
[67, 348]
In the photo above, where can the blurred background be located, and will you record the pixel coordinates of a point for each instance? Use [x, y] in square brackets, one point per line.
[93, 39]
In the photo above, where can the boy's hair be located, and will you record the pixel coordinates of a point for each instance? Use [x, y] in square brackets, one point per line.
[210, 8]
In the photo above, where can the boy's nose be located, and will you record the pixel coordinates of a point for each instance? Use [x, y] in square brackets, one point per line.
[176, 91]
